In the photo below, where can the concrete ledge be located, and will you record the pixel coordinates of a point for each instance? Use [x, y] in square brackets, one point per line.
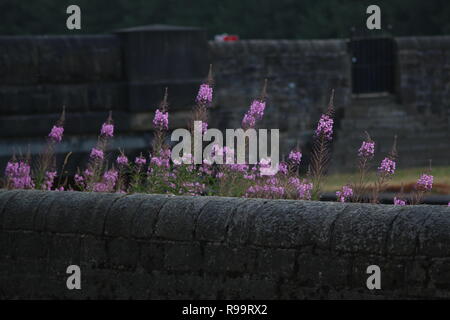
[165, 247]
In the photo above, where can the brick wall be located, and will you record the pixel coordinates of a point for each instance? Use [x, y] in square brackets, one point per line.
[162, 247]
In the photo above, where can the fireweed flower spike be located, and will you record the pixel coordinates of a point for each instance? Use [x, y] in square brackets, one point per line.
[367, 149]
[56, 134]
[47, 160]
[96, 154]
[385, 171]
[365, 154]
[387, 166]
[57, 131]
[140, 161]
[295, 157]
[303, 188]
[320, 155]
[256, 111]
[344, 194]
[18, 175]
[107, 130]
[425, 182]
[94, 172]
[423, 185]
[122, 160]
[205, 92]
[49, 180]
[325, 127]
[161, 120]
[399, 202]
[161, 124]
[203, 103]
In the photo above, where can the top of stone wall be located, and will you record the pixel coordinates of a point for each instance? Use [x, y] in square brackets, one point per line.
[423, 43]
[264, 47]
[353, 228]
[158, 28]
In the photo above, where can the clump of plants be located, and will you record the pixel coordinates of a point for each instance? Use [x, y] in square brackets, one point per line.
[156, 172]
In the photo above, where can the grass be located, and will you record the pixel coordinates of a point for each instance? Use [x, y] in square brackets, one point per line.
[407, 177]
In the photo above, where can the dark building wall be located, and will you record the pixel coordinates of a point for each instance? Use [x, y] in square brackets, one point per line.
[301, 75]
[418, 112]
[167, 247]
[40, 74]
[424, 74]
[91, 75]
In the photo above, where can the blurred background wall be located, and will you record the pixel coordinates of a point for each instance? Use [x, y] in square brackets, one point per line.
[385, 83]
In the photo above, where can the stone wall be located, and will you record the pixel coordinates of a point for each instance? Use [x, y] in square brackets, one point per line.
[126, 72]
[300, 73]
[418, 112]
[424, 75]
[161, 247]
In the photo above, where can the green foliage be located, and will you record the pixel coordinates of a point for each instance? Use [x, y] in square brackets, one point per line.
[288, 19]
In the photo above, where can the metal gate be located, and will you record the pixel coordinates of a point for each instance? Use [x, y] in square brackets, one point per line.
[373, 65]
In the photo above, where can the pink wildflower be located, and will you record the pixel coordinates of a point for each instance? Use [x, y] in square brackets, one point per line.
[205, 94]
[122, 160]
[88, 173]
[19, 175]
[303, 188]
[140, 161]
[161, 120]
[248, 121]
[255, 113]
[110, 177]
[49, 180]
[265, 191]
[194, 188]
[107, 130]
[399, 202]
[257, 109]
[325, 127]
[97, 154]
[283, 168]
[304, 191]
[295, 157]
[425, 182]
[220, 175]
[100, 187]
[387, 166]
[344, 194]
[367, 149]
[56, 133]
[204, 127]
[79, 180]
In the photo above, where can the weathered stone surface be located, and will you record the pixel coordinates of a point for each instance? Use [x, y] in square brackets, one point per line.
[214, 227]
[167, 247]
[146, 217]
[177, 218]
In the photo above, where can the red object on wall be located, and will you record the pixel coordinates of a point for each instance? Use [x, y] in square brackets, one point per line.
[226, 37]
[231, 37]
